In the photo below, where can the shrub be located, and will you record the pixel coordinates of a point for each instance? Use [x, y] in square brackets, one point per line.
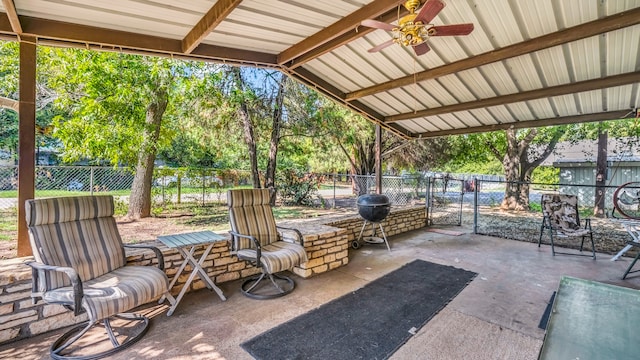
[297, 188]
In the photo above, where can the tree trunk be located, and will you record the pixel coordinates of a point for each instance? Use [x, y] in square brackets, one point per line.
[270, 175]
[511, 165]
[249, 137]
[601, 174]
[518, 163]
[140, 199]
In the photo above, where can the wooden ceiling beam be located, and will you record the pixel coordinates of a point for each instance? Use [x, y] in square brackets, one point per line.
[388, 17]
[95, 37]
[593, 28]
[565, 120]
[347, 23]
[205, 26]
[581, 86]
[10, 9]
[5, 25]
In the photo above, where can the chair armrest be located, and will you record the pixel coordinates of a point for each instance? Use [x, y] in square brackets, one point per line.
[252, 238]
[298, 233]
[76, 283]
[155, 249]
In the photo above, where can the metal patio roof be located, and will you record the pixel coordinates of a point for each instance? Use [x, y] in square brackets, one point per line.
[526, 64]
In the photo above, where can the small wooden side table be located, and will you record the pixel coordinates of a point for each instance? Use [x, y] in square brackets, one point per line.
[186, 244]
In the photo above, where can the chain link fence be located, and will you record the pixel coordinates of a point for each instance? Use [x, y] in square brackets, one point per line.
[487, 218]
[450, 199]
[342, 190]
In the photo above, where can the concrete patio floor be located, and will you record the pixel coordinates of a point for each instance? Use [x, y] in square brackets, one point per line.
[495, 317]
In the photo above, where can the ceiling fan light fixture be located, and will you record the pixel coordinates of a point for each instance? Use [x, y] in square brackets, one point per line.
[415, 28]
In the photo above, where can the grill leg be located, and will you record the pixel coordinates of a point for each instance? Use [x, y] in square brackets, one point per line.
[384, 236]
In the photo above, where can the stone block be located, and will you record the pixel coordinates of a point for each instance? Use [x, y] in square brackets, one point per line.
[320, 269]
[8, 334]
[19, 287]
[230, 276]
[319, 242]
[310, 237]
[237, 266]
[342, 254]
[11, 297]
[312, 263]
[329, 258]
[304, 273]
[225, 260]
[335, 264]
[27, 304]
[319, 253]
[6, 309]
[55, 322]
[19, 318]
[198, 284]
[51, 310]
[311, 248]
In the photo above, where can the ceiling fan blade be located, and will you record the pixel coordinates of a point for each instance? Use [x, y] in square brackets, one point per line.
[421, 49]
[451, 30]
[381, 46]
[430, 9]
[377, 25]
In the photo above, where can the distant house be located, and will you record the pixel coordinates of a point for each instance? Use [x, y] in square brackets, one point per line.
[577, 164]
[6, 158]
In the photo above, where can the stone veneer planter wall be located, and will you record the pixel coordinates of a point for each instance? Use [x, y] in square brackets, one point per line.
[327, 241]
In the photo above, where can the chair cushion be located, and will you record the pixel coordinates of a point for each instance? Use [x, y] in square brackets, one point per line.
[78, 232]
[278, 256]
[115, 292]
[562, 211]
[250, 214]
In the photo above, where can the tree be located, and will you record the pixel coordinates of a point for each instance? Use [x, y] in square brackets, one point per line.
[519, 152]
[9, 76]
[118, 105]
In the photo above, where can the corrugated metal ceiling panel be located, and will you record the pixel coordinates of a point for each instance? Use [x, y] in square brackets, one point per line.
[269, 26]
[171, 22]
[542, 108]
[591, 101]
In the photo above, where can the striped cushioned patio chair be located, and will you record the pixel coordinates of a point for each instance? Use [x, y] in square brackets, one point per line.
[561, 219]
[255, 238]
[80, 264]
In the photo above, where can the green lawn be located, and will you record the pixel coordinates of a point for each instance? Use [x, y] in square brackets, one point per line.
[8, 224]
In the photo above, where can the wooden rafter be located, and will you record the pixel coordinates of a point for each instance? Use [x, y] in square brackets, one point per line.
[607, 24]
[347, 23]
[94, 37]
[564, 120]
[12, 14]
[209, 21]
[581, 86]
[358, 32]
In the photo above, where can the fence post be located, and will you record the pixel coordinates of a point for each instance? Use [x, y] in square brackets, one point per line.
[203, 187]
[334, 190]
[179, 183]
[91, 181]
[475, 205]
[427, 198]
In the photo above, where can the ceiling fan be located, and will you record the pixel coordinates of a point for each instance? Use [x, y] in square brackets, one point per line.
[414, 29]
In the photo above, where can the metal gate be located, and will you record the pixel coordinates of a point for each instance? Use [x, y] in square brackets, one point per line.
[444, 201]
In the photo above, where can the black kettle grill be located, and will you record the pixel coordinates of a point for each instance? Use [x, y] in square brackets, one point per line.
[373, 208]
